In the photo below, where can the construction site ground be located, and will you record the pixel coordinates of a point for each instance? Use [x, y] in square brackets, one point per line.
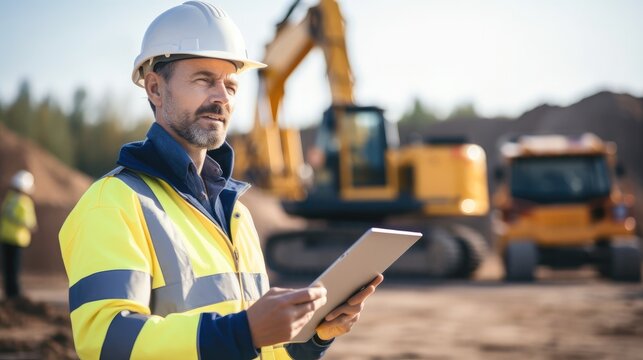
[565, 315]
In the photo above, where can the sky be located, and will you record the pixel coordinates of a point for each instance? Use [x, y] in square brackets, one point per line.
[503, 56]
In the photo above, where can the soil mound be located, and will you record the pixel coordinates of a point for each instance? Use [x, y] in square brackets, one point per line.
[57, 189]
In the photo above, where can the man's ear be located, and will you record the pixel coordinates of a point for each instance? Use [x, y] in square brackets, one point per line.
[152, 84]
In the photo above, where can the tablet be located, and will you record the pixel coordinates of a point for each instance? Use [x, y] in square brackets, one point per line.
[373, 253]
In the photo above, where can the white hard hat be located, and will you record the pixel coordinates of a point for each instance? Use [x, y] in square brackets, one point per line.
[194, 29]
[23, 181]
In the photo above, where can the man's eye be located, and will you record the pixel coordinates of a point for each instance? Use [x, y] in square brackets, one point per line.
[231, 90]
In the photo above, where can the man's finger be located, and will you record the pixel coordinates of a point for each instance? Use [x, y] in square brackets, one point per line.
[366, 292]
[305, 295]
[345, 309]
[310, 306]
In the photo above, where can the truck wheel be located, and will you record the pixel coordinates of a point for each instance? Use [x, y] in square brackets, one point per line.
[521, 259]
[474, 249]
[443, 253]
[624, 261]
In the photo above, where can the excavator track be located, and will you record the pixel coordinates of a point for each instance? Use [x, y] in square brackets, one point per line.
[308, 253]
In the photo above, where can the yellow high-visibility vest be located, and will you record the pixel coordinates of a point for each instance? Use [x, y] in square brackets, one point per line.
[17, 219]
[143, 264]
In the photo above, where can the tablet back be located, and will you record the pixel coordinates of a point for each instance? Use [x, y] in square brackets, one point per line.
[373, 253]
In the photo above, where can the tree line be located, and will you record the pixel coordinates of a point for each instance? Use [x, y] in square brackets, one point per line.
[89, 145]
[422, 115]
[92, 145]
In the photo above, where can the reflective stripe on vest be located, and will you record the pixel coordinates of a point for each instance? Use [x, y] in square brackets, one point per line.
[184, 292]
[169, 247]
[121, 335]
[111, 284]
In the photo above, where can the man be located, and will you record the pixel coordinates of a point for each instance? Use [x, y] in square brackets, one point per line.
[163, 261]
[17, 222]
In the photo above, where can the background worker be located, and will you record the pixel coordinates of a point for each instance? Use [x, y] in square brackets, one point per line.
[17, 222]
[163, 260]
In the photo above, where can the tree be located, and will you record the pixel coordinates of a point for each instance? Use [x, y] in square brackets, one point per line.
[419, 115]
[77, 122]
[77, 116]
[463, 111]
[19, 115]
[51, 131]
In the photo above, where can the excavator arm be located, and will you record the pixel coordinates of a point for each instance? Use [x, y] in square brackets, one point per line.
[273, 157]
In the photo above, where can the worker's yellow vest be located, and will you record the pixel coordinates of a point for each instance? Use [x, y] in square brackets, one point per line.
[143, 264]
[17, 219]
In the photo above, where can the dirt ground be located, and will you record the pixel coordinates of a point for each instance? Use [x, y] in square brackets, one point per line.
[565, 315]
[576, 317]
[37, 327]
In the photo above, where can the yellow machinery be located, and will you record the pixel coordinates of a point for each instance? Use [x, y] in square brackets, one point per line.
[357, 176]
[561, 204]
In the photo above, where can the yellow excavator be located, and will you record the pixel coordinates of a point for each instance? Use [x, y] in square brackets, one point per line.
[356, 175]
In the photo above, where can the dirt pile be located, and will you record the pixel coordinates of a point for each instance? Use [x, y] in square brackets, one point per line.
[34, 330]
[57, 189]
[56, 183]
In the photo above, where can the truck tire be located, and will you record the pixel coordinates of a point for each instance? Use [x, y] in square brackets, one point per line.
[442, 252]
[624, 261]
[474, 249]
[521, 259]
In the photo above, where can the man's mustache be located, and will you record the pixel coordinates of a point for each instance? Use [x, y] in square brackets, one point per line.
[214, 108]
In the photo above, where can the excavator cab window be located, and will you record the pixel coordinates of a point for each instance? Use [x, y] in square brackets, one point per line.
[366, 140]
[363, 136]
[327, 141]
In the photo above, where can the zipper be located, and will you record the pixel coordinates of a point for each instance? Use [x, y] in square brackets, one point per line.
[228, 240]
[235, 255]
[233, 250]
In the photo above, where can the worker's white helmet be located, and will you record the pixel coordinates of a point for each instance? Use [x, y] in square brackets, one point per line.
[23, 181]
[194, 29]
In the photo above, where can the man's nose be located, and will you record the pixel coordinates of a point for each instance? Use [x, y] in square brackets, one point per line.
[219, 93]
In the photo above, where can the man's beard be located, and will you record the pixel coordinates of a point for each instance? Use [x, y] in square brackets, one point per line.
[186, 126]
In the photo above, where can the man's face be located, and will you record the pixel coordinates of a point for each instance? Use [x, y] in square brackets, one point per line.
[197, 101]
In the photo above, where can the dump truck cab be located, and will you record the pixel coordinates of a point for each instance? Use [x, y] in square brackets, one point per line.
[561, 203]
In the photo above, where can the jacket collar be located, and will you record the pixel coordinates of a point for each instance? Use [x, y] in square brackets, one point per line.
[159, 155]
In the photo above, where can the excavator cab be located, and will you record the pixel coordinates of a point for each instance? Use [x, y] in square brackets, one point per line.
[366, 141]
[356, 176]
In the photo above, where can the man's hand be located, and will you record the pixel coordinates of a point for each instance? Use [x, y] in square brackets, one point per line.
[341, 320]
[279, 315]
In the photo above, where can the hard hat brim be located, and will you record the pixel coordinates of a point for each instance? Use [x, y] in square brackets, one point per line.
[243, 64]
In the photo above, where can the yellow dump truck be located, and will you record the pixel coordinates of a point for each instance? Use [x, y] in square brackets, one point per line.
[561, 203]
